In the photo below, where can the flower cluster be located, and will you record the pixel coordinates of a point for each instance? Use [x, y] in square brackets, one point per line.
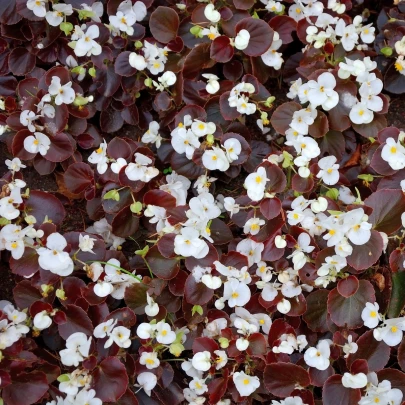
[219, 211]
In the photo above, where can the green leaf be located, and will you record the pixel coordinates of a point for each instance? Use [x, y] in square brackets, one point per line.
[83, 14]
[366, 177]
[196, 31]
[66, 27]
[397, 301]
[112, 195]
[198, 309]
[333, 193]
[176, 349]
[386, 51]
[92, 72]
[136, 207]
[142, 252]
[63, 378]
[4, 221]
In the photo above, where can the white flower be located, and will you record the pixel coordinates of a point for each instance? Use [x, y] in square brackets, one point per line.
[271, 57]
[232, 148]
[145, 330]
[211, 32]
[211, 14]
[391, 332]
[370, 315]
[202, 361]
[360, 114]
[104, 329]
[244, 107]
[221, 360]
[185, 141]
[138, 9]
[137, 61]
[348, 33]
[53, 258]
[57, 15]
[147, 381]
[38, 7]
[120, 335]
[302, 119]
[166, 80]
[283, 306]
[350, 347]
[242, 344]
[189, 244]
[321, 91]
[215, 159]
[86, 44]
[152, 135]
[86, 243]
[27, 118]
[42, 320]
[152, 308]
[212, 82]
[123, 22]
[231, 206]
[359, 231]
[329, 170]
[236, 292]
[394, 153]
[354, 380]
[245, 384]
[280, 242]
[253, 225]
[14, 165]
[164, 334]
[103, 289]
[99, 157]
[255, 184]
[198, 386]
[150, 360]
[242, 40]
[367, 34]
[87, 397]
[37, 143]
[318, 357]
[77, 349]
[369, 94]
[383, 393]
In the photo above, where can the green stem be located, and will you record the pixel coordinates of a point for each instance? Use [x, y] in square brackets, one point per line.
[117, 267]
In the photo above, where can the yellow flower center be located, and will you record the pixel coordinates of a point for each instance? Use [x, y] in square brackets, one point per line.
[393, 149]
[254, 227]
[99, 150]
[14, 245]
[258, 179]
[201, 126]
[373, 314]
[235, 295]
[214, 157]
[261, 321]
[398, 66]
[36, 142]
[149, 361]
[246, 381]
[361, 112]
[164, 332]
[394, 329]
[211, 36]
